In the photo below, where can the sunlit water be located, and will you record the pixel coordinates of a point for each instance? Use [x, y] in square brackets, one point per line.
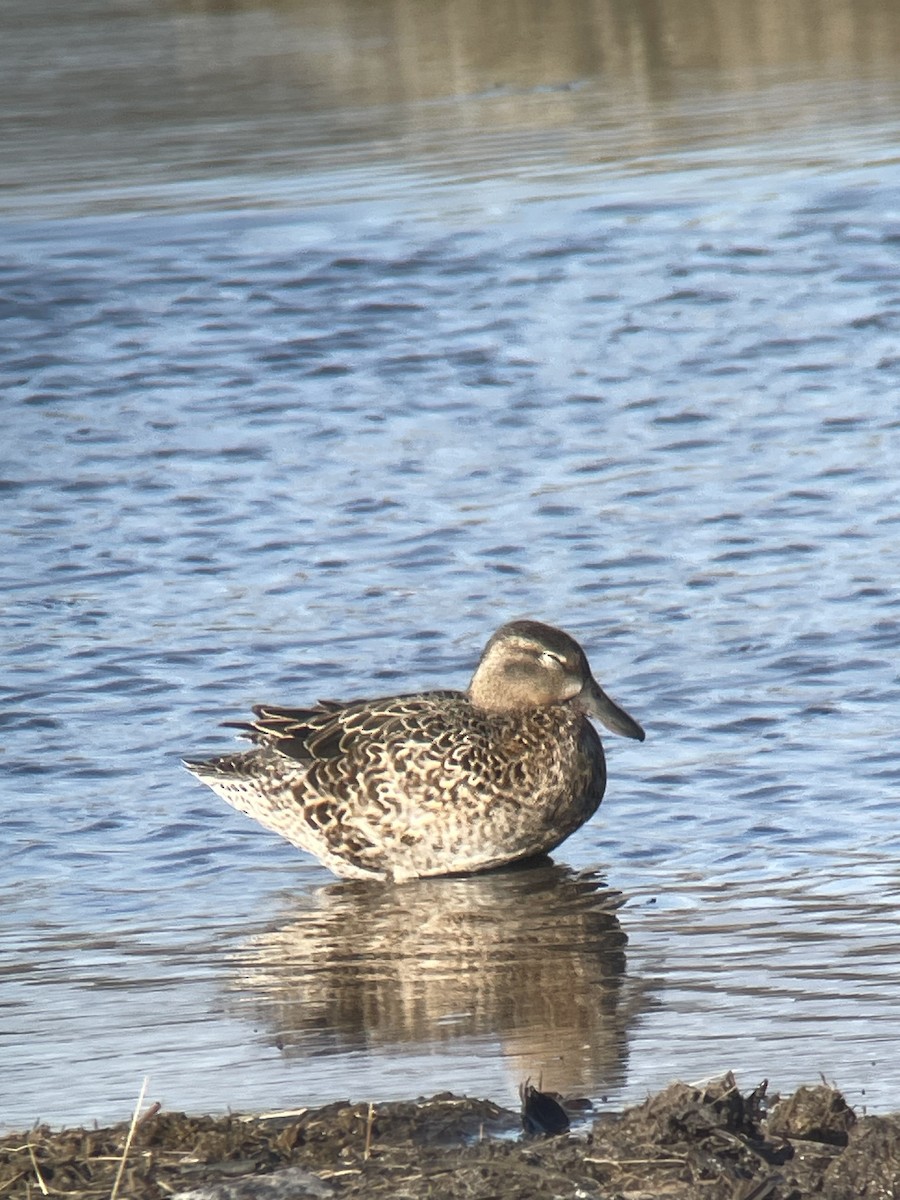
[325, 444]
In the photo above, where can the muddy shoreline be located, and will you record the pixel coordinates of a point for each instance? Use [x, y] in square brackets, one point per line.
[690, 1140]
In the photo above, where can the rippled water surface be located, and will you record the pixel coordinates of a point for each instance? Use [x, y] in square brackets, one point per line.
[289, 414]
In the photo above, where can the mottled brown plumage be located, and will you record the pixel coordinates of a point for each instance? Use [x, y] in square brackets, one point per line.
[434, 783]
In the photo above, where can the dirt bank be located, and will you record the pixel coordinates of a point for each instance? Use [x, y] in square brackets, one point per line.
[689, 1141]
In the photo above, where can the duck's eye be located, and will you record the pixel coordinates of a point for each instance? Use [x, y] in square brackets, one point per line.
[548, 659]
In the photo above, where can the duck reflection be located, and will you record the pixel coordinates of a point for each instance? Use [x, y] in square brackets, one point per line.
[528, 963]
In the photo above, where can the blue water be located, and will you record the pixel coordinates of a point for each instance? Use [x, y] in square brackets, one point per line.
[324, 448]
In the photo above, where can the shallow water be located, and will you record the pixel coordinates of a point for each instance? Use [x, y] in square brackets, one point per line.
[292, 415]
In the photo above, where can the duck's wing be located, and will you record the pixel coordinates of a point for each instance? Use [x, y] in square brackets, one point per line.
[332, 729]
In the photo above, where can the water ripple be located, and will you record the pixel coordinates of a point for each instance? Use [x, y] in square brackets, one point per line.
[257, 458]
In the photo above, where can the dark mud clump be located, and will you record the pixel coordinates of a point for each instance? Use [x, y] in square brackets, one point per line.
[689, 1141]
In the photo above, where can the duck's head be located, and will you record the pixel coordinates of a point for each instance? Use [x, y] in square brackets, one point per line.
[530, 665]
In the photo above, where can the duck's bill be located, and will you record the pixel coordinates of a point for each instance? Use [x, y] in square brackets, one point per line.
[596, 703]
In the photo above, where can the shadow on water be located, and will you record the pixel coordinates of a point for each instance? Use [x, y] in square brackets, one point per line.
[532, 960]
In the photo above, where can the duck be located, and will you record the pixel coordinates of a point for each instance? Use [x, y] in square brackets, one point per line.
[437, 782]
